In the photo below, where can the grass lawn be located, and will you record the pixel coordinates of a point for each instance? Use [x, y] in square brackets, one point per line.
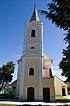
[8, 105]
[62, 99]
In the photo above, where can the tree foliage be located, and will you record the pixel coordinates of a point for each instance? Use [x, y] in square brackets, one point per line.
[6, 72]
[59, 13]
[65, 62]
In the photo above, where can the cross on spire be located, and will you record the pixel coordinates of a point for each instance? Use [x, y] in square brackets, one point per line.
[34, 5]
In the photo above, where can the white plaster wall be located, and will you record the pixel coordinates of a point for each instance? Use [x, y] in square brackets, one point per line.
[21, 78]
[18, 78]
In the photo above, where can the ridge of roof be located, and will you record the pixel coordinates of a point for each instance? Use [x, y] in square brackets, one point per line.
[46, 57]
[59, 79]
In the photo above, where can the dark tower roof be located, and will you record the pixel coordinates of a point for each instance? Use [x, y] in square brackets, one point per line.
[34, 15]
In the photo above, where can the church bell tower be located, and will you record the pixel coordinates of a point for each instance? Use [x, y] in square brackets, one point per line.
[30, 66]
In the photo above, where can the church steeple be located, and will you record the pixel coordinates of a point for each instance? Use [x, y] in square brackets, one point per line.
[34, 15]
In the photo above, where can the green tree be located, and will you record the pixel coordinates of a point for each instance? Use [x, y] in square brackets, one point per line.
[59, 13]
[65, 62]
[6, 72]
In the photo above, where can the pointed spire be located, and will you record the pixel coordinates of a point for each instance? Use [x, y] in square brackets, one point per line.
[34, 15]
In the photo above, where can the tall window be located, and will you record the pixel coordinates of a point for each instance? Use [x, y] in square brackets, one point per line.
[33, 33]
[31, 71]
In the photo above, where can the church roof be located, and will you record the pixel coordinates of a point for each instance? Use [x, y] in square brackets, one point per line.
[34, 15]
[46, 58]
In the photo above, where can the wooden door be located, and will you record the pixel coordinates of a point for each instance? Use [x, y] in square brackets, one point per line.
[30, 94]
[63, 92]
[46, 94]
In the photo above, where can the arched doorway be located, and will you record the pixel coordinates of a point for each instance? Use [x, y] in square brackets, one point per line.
[30, 94]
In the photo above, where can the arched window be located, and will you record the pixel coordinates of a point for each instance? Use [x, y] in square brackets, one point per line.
[31, 71]
[33, 33]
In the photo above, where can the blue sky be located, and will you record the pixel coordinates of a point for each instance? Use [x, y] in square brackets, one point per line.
[13, 15]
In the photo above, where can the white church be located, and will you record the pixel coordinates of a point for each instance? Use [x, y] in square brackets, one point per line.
[35, 81]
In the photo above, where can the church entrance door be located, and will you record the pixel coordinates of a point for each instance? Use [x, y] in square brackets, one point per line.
[46, 94]
[30, 94]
